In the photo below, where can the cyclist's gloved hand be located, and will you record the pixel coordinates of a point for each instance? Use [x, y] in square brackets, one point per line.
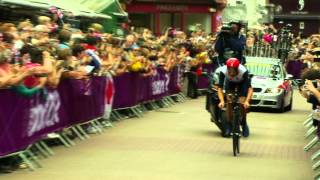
[221, 104]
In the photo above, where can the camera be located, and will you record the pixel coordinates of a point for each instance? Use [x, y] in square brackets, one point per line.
[153, 48]
[171, 32]
[316, 52]
[317, 60]
[172, 49]
[153, 58]
[41, 75]
[226, 29]
[64, 65]
[211, 53]
[315, 83]
[303, 85]
[286, 29]
[127, 49]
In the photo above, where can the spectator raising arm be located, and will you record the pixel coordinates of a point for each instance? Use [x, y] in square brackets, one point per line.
[312, 89]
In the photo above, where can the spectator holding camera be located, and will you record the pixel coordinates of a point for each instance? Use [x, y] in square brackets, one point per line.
[309, 89]
[310, 86]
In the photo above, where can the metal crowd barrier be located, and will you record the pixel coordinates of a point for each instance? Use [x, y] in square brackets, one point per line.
[312, 135]
[269, 51]
[27, 123]
[203, 80]
[260, 50]
[137, 94]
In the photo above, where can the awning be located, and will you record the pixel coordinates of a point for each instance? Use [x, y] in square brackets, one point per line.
[100, 15]
[111, 7]
[70, 6]
[24, 3]
[96, 5]
[120, 14]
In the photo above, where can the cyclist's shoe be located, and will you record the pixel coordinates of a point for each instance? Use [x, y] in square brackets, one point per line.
[227, 131]
[245, 131]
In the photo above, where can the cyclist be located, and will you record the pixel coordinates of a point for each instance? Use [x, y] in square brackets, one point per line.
[233, 76]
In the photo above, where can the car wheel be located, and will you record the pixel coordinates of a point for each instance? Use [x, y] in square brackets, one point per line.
[282, 108]
[289, 108]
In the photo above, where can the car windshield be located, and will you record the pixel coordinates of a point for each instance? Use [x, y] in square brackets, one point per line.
[264, 69]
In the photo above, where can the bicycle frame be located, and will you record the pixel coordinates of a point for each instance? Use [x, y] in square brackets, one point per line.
[233, 113]
[233, 105]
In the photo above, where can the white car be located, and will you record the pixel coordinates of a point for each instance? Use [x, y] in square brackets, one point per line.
[271, 84]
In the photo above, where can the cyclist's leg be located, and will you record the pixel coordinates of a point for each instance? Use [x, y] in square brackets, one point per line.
[215, 109]
[212, 106]
[227, 122]
[189, 92]
[243, 95]
[195, 86]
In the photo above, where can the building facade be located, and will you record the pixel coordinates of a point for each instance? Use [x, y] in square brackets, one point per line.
[253, 12]
[303, 15]
[158, 15]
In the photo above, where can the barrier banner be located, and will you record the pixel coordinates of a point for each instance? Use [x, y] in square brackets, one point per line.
[83, 100]
[175, 84]
[160, 84]
[144, 93]
[125, 90]
[25, 120]
[134, 88]
[109, 96]
[203, 81]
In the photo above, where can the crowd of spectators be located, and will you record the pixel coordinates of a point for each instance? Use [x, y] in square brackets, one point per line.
[302, 59]
[34, 56]
[37, 56]
[306, 53]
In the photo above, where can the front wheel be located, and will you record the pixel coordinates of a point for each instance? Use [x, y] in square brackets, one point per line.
[235, 139]
[289, 108]
[281, 108]
[238, 145]
[236, 134]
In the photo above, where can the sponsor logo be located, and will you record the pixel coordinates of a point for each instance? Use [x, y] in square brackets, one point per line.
[301, 5]
[44, 115]
[160, 86]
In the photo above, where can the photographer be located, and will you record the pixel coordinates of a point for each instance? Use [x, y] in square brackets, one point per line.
[312, 87]
[309, 87]
[230, 40]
